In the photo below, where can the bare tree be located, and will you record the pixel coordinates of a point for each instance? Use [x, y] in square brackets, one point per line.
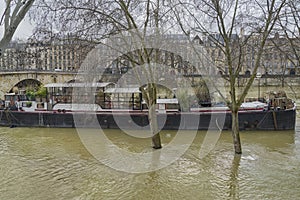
[237, 24]
[102, 19]
[289, 28]
[13, 14]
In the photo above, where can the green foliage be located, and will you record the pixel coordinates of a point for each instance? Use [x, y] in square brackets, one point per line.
[30, 94]
[29, 104]
[42, 92]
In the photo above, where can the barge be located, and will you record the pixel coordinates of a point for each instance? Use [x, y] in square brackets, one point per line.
[128, 111]
[254, 120]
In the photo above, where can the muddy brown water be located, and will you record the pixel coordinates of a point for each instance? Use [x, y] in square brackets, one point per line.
[44, 163]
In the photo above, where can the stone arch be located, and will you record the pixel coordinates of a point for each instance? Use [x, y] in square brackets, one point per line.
[121, 64]
[181, 61]
[26, 84]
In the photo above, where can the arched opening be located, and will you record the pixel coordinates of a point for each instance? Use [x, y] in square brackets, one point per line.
[25, 85]
[175, 64]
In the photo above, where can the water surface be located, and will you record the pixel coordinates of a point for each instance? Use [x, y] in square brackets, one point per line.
[43, 163]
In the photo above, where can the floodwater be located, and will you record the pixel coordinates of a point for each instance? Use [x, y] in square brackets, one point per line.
[43, 163]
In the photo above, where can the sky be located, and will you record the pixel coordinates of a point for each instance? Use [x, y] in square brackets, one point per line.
[23, 31]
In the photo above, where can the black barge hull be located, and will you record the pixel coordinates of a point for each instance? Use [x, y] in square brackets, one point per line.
[260, 120]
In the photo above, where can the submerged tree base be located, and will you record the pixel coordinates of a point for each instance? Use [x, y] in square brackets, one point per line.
[157, 147]
[238, 152]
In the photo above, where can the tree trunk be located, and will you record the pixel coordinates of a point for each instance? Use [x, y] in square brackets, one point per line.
[154, 127]
[13, 15]
[152, 117]
[236, 132]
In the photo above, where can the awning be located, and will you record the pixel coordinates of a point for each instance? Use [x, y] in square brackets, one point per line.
[122, 90]
[167, 101]
[77, 85]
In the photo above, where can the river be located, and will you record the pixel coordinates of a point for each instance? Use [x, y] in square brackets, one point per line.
[44, 163]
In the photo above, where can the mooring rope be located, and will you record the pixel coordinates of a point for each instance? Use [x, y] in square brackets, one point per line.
[261, 121]
[218, 126]
[10, 116]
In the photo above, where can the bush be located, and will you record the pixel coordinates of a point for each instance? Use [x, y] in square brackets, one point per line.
[29, 104]
[30, 95]
[42, 92]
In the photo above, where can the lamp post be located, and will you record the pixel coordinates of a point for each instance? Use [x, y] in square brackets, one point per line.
[258, 76]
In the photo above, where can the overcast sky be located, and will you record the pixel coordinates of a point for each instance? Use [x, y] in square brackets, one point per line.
[24, 29]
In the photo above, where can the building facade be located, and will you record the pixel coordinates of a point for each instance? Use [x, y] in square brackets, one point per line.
[279, 56]
[43, 56]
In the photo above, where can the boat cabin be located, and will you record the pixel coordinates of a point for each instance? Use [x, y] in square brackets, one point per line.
[100, 97]
[123, 98]
[21, 102]
[68, 96]
[12, 100]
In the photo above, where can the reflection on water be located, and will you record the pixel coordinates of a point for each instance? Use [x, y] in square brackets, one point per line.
[40, 163]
